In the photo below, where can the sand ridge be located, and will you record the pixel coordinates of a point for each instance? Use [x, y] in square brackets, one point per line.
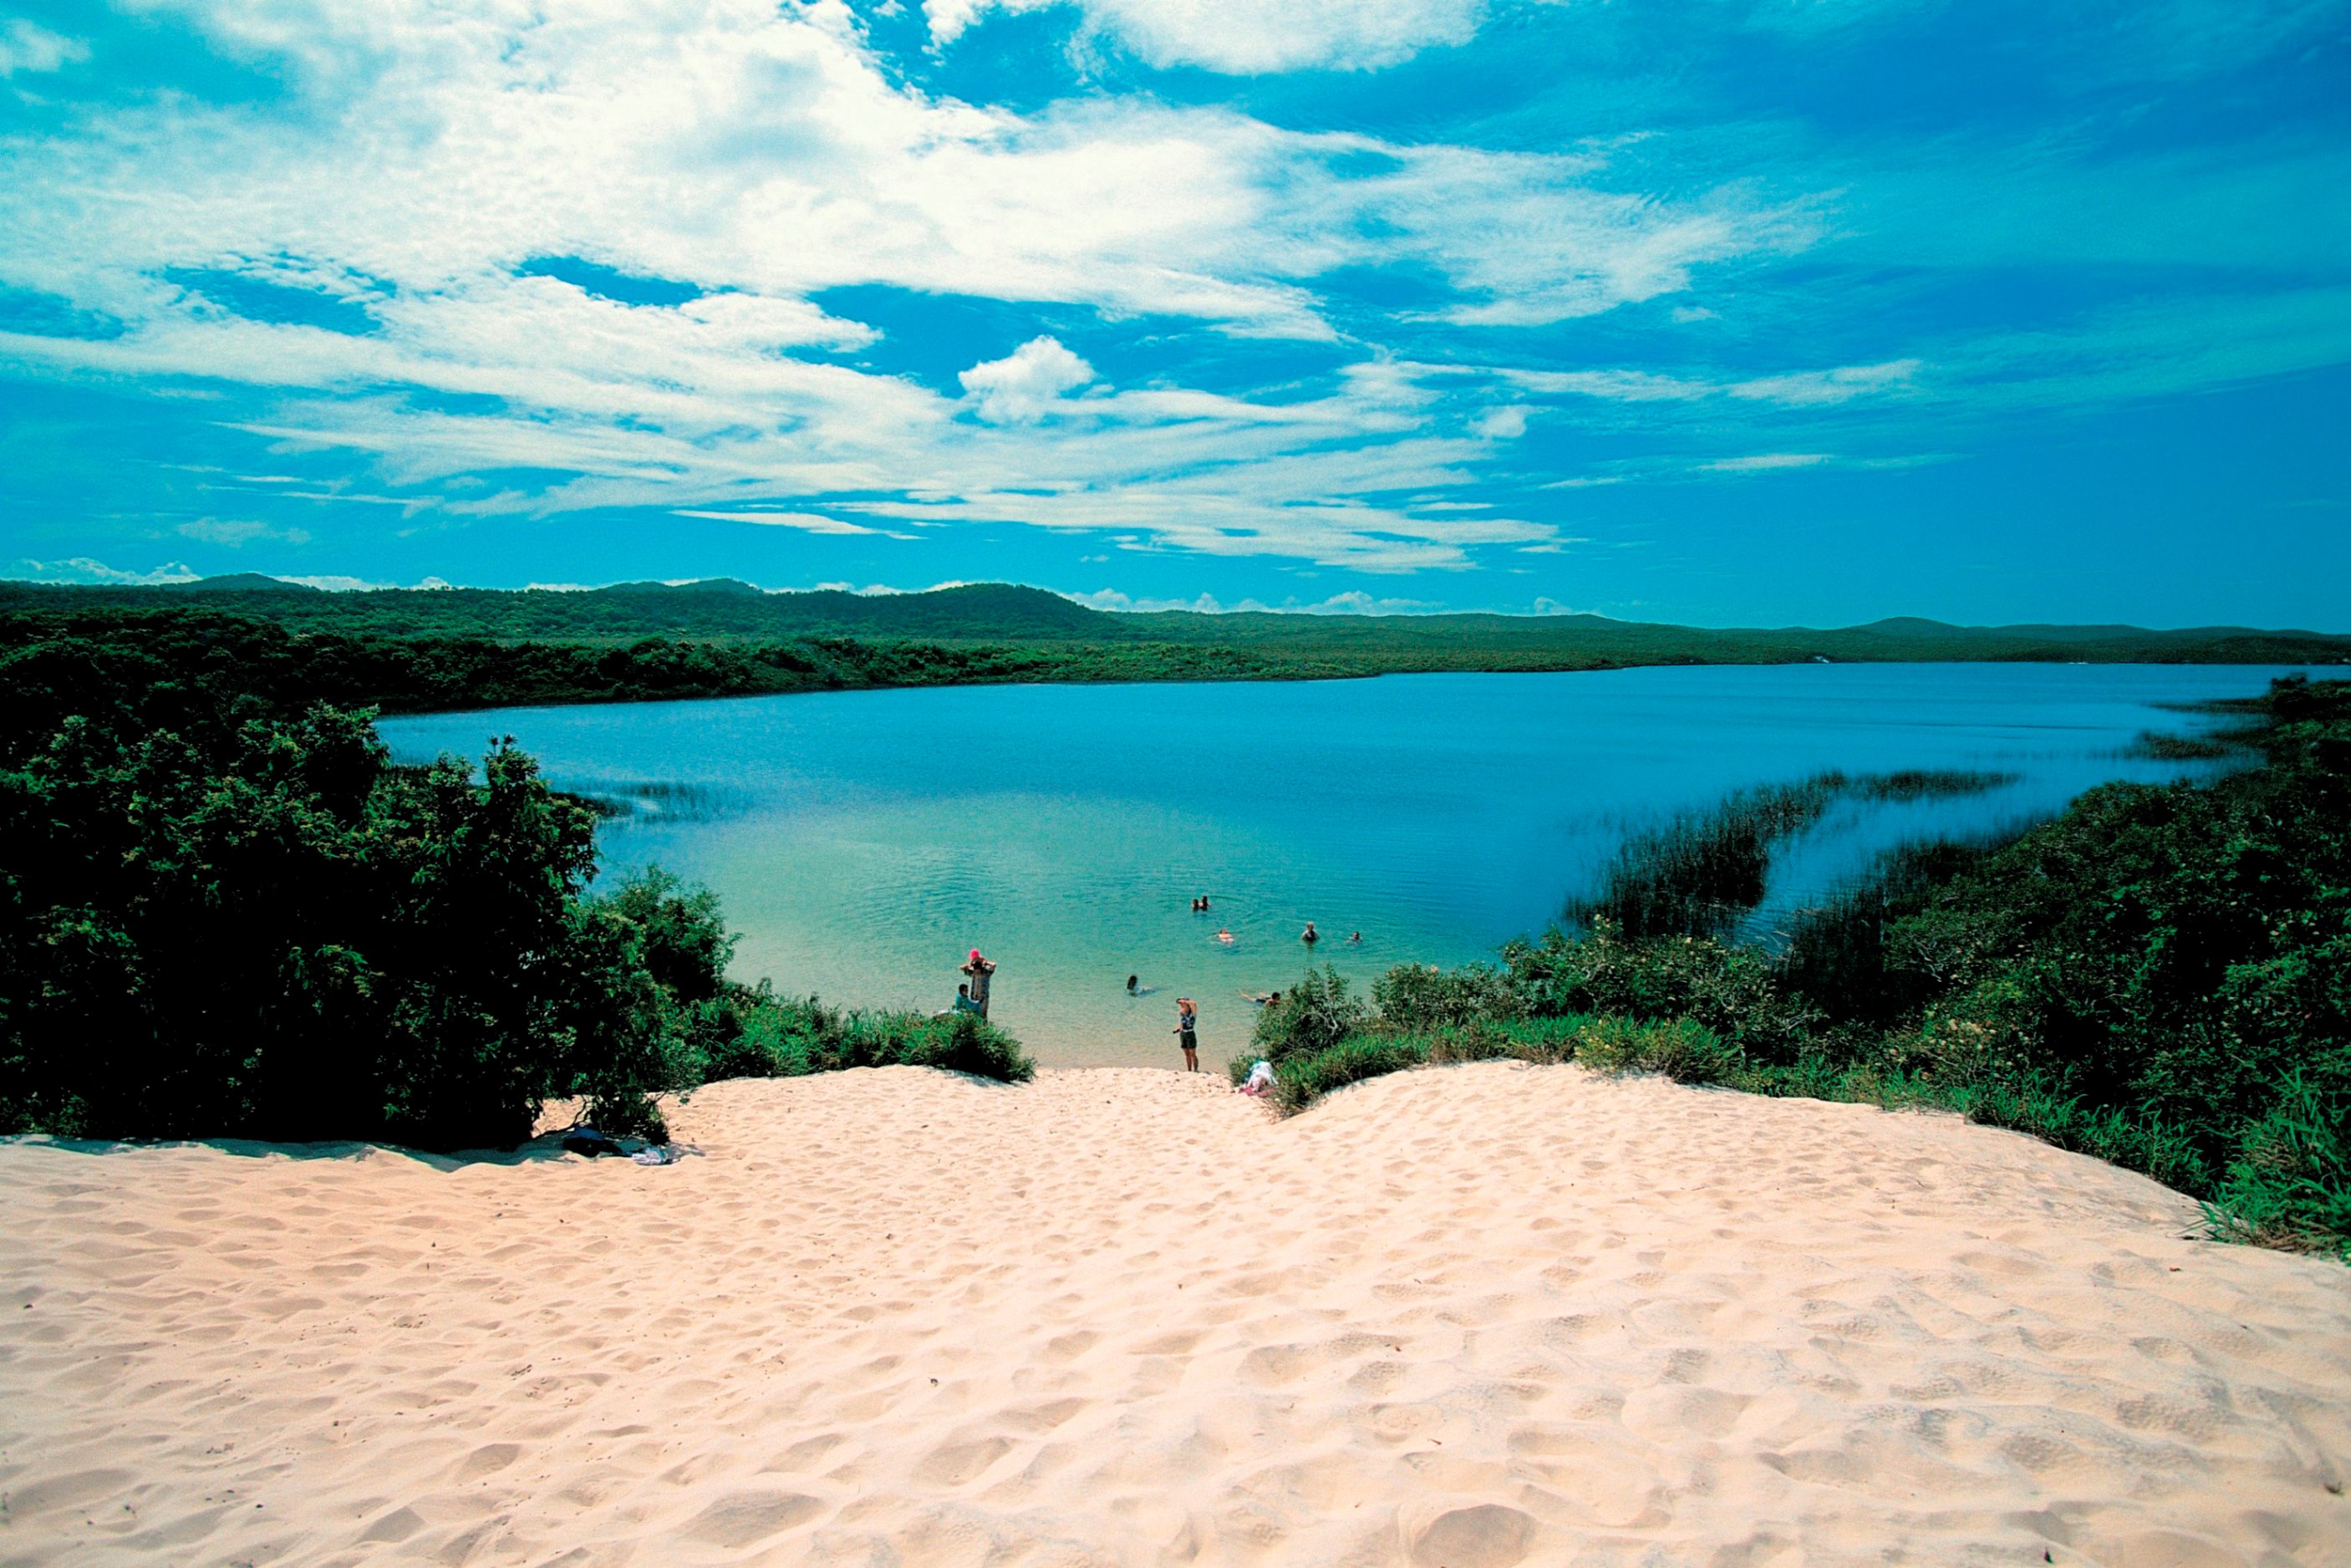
[1475, 1316]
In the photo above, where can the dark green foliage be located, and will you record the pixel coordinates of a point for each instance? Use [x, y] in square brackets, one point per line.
[1698, 875]
[263, 929]
[1424, 997]
[1732, 990]
[223, 912]
[1839, 958]
[1032, 620]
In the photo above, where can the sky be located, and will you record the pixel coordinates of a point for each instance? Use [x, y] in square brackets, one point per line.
[1710, 311]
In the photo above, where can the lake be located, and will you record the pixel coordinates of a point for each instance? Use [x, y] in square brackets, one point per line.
[862, 842]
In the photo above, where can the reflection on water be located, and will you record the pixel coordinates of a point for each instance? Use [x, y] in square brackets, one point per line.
[862, 842]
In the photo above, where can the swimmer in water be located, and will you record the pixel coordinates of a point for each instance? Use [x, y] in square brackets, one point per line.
[1133, 982]
[1226, 937]
[1310, 936]
[1355, 938]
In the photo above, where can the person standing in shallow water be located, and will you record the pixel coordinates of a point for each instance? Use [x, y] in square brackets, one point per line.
[1310, 936]
[980, 969]
[1187, 1035]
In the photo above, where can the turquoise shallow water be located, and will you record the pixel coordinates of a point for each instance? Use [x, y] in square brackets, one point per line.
[862, 842]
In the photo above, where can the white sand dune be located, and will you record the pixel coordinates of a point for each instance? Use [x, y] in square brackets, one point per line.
[1481, 1316]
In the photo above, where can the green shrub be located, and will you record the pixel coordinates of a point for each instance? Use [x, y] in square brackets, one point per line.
[1680, 1049]
[1302, 1078]
[1313, 1016]
[1734, 991]
[2290, 1185]
[249, 923]
[1424, 997]
[782, 1036]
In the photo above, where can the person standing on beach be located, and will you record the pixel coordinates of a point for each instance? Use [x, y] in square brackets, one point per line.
[1187, 1035]
[979, 969]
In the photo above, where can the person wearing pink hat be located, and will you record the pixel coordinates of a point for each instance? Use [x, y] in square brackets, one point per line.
[979, 969]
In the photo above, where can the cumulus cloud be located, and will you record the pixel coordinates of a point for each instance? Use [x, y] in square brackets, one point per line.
[1025, 384]
[82, 568]
[1247, 38]
[335, 582]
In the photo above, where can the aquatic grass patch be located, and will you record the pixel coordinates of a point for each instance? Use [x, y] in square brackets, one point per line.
[2152, 746]
[1704, 872]
[1698, 875]
[1931, 784]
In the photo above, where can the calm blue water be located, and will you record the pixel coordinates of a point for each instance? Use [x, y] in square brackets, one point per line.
[862, 842]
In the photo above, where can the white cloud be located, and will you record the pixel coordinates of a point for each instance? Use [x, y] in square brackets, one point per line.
[334, 583]
[83, 570]
[1027, 384]
[35, 50]
[1249, 36]
[1352, 602]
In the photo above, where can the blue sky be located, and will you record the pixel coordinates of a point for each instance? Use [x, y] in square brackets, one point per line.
[1721, 312]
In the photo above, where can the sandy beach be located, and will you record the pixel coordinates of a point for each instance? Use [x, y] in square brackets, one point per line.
[1467, 1317]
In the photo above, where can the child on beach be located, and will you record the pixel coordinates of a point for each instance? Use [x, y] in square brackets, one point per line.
[1187, 1023]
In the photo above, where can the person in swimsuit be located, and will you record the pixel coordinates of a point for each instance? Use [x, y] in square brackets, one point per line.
[1310, 936]
[1187, 1025]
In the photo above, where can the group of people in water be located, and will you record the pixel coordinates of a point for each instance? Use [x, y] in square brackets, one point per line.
[971, 995]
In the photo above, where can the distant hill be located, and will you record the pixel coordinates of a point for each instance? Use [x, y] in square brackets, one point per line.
[725, 611]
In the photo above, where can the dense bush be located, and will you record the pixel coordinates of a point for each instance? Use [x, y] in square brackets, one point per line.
[224, 914]
[1310, 1016]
